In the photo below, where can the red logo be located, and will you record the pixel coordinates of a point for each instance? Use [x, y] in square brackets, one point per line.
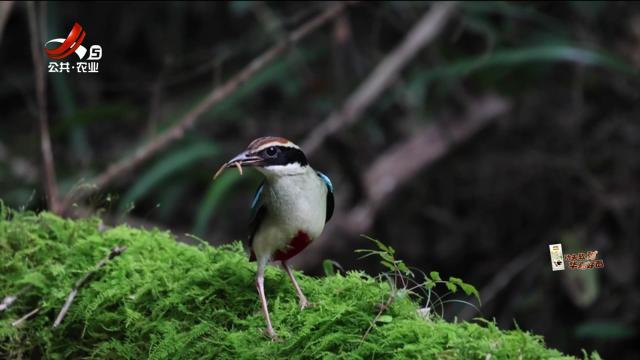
[73, 43]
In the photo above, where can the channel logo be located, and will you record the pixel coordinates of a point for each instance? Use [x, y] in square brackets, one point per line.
[73, 45]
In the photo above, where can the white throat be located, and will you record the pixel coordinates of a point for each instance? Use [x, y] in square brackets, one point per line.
[283, 170]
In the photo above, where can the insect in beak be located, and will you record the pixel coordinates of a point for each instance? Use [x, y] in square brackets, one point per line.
[238, 161]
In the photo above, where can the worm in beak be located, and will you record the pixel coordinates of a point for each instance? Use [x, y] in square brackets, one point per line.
[238, 161]
[224, 166]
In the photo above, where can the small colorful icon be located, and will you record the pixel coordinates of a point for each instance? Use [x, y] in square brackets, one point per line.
[557, 262]
[73, 43]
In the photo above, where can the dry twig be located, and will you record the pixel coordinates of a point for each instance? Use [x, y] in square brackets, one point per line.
[381, 310]
[427, 28]
[41, 98]
[25, 318]
[80, 283]
[125, 165]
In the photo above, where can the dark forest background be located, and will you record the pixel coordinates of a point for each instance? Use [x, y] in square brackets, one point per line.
[467, 136]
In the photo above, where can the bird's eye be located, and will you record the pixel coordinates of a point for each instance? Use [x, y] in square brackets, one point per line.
[271, 151]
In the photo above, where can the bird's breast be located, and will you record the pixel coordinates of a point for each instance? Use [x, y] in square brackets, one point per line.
[296, 208]
[298, 203]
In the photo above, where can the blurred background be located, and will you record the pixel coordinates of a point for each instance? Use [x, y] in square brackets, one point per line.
[467, 136]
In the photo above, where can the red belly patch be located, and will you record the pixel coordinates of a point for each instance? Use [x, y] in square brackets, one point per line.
[297, 244]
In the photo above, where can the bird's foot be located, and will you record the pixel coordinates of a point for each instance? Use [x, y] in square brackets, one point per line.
[271, 334]
[304, 303]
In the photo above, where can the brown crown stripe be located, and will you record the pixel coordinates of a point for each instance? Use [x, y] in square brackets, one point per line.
[263, 142]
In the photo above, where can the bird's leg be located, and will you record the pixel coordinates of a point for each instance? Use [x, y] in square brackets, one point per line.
[262, 263]
[303, 300]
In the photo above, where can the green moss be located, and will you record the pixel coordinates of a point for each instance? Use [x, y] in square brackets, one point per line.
[162, 299]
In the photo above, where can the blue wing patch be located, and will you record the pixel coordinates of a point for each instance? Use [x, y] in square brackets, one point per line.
[258, 212]
[256, 197]
[326, 180]
[330, 200]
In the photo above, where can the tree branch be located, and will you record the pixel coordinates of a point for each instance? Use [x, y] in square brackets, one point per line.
[399, 165]
[220, 93]
[41, 97]
[116, 251]
[423, 33]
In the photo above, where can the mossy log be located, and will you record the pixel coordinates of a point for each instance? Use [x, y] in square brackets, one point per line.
[164, 299]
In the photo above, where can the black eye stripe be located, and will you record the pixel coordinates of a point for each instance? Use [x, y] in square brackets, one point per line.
[283, 155]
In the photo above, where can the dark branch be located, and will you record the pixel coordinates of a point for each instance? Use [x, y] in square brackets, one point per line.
[422, 34]
[41, 98]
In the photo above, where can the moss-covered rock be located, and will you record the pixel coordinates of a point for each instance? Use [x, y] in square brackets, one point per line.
[163, 299]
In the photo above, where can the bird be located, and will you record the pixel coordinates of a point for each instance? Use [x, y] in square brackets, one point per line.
[289, 210]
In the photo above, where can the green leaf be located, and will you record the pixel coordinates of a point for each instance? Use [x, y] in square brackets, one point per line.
[367, 253]
[403, 268]
[435, 276]
[391, 250]
[327, 266]
[429, 284]
[519, 56]
[456, 280]
[470, 290]
[381, 246]
[362, 251]
[385, 256]
[388, 265]
[385, 319]
[451, 286]
[173, 162]
[216, 193]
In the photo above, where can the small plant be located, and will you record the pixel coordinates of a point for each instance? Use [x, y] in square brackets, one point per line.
[452, 285]
[403, 282]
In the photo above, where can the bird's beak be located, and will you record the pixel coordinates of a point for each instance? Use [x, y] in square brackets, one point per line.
[238, 161]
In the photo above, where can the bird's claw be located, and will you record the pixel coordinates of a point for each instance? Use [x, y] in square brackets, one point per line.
[271, 334]
[305, 304]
